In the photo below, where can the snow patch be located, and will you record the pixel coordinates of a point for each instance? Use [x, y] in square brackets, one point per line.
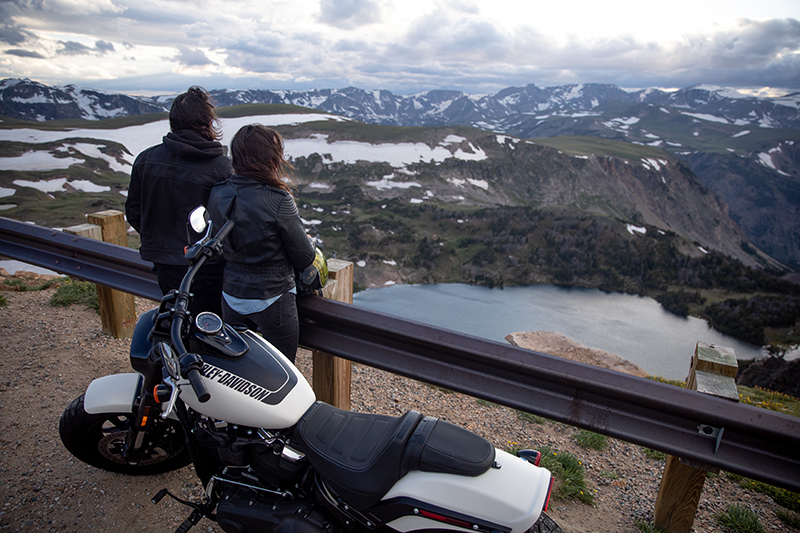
[631, 229]
[387, 183]
[654, 164]
[707, 117]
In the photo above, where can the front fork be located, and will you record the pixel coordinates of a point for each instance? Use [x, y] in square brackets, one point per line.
[146, 411]
[153, 401]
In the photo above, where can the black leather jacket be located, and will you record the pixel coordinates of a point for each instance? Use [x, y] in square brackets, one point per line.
[268, 241]
[168, 181]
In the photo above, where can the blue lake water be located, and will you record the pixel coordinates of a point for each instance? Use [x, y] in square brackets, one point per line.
[633, 327]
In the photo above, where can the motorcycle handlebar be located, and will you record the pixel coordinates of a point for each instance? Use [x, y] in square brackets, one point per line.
[198, 386]
[224, 230]
[192, 363]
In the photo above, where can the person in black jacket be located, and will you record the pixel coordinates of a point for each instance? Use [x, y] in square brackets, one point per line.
[168, 181]
[268, 241]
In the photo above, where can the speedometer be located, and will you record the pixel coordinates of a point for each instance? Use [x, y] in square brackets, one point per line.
[208, 323]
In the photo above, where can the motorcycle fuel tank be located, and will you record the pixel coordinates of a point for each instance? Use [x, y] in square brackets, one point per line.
[260, 388]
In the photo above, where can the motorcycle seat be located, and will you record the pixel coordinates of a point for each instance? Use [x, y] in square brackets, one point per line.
[361, 455]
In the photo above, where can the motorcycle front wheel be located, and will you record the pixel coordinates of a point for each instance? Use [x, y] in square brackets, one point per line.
[98, 440]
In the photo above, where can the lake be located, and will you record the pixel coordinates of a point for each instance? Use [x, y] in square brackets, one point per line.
[636, 328]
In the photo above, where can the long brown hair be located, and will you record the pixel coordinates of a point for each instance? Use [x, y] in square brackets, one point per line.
[194, 110]
[257, 152]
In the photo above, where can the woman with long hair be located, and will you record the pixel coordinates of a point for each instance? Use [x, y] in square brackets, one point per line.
[268, 241]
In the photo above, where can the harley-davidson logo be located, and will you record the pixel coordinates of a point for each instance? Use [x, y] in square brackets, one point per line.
[232, 381]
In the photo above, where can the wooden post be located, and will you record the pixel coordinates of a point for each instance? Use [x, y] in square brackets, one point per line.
[331, 375]
[117, 309]
[713, 371]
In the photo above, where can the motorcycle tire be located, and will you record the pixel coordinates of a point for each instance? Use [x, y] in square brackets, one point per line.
[97, 440]
[545, 524]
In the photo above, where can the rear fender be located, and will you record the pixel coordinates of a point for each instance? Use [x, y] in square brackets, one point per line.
[112, 394]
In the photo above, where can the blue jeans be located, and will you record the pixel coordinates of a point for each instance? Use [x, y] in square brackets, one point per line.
[278, 323]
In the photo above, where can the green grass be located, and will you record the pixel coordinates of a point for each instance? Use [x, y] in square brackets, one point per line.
[739, 519]
[530, 417]
[675, 382]
[766, 399]
[75, 292]
[64, 124]
[568, 471]
[647, 527]
[582, 145]
[789, 518]
[3, 301]
[609, 474]
[785, 498]
[653, 454]
[590, 440]
[20, 285]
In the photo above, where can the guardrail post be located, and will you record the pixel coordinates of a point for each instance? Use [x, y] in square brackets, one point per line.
[713, 371]
[117, 309]
[331, 375]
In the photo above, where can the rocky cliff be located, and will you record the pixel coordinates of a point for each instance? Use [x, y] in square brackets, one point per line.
[553, 343]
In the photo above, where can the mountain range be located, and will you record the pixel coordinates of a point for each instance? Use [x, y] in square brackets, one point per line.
[743, 150]
[504, 111]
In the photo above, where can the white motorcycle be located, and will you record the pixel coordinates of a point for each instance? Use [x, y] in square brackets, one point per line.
[271, 457]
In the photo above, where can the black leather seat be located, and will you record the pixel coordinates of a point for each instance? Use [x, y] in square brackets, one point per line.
[360, 456]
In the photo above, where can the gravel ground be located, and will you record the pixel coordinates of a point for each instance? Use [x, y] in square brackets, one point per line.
[49, 355]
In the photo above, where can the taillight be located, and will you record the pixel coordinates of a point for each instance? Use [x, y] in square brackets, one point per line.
[547, 500]
[532, 456]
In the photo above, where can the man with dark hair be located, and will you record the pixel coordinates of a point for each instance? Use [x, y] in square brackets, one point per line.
[171, 179]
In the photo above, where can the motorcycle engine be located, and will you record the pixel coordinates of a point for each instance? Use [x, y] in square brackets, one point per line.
[240, 512]
[267, 454]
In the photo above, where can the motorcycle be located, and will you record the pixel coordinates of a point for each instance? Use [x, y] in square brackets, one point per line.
[272, 458]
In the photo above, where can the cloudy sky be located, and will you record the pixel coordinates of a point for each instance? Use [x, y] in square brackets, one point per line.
[406, 46]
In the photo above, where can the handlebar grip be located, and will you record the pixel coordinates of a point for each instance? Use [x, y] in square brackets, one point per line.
[224, 230]
[198, 385]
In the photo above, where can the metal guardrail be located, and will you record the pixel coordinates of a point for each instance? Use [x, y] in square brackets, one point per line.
[83, 258]
[742, 439]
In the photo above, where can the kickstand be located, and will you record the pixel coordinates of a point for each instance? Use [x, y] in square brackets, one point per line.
[199, 510]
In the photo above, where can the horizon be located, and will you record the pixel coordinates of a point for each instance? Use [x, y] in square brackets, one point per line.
[762, 92]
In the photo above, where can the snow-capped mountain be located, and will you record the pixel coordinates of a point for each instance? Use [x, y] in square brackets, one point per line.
[510, 105]
[29, 100]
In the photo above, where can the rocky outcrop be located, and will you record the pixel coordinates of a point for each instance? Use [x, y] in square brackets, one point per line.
[773, 373]
[553, 343]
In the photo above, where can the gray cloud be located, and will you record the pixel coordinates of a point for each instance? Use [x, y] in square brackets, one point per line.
[24, 53]
[348, 14]
[262, 53]
[72, 48]
[191, 58]
[13, 35]
[104, 47]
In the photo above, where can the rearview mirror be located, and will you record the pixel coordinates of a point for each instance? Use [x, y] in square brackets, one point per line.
[198, 219]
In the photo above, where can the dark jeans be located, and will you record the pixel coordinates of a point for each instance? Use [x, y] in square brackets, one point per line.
[278, 323]
[207, 286]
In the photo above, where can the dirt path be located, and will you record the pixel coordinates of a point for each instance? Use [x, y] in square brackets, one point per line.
[49, 355]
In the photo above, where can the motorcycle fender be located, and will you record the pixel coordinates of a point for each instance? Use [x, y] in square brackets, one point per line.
[112, 394]
[513, 495]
